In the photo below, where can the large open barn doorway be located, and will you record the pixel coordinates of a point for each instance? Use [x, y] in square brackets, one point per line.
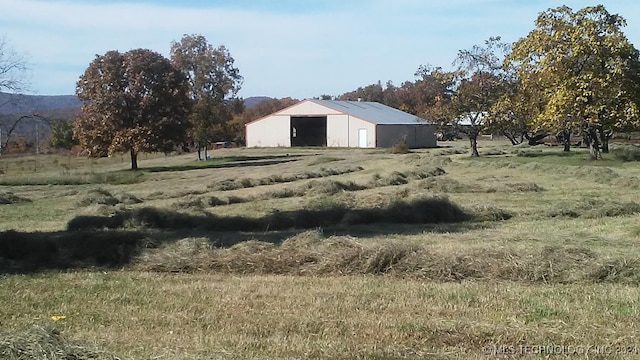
[308, 131]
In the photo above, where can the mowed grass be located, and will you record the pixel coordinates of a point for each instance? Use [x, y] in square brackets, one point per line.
[225, 258]
[186, 316]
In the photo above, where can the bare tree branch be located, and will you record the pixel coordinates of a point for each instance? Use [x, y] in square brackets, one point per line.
[12, 69]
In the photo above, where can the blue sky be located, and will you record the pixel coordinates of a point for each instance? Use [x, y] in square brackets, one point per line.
[296, 48]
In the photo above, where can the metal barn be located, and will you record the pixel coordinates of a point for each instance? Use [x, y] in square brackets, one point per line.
[340, 124]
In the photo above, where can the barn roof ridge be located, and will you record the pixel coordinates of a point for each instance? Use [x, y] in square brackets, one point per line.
[371, 111]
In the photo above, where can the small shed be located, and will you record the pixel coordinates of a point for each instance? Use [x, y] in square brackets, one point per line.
[340, 124]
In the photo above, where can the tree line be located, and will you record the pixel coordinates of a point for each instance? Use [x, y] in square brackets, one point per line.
[574, 73]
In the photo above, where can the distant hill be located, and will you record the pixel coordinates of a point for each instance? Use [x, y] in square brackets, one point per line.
[254, 100]
[18, 103]
[62, 105]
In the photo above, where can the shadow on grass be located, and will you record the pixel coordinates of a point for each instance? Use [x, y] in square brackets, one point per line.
[226, 162]
[24, 252]
[421, 211]
[106, 241]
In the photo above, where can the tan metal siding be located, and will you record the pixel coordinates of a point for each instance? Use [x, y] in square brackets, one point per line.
[271, 131]
[338, 130]
[355, 125]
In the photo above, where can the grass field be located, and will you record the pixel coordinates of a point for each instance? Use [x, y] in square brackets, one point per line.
[322, 253]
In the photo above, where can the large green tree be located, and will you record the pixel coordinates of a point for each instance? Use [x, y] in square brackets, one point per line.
[584, 70]
[132, 102]
[62, 133]
[214, 83]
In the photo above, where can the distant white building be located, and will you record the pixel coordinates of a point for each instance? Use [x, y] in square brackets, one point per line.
[472, 118]
[340, 124]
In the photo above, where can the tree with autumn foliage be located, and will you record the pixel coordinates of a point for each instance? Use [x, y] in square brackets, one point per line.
[583, 70]
[214, 83]
[132, 102]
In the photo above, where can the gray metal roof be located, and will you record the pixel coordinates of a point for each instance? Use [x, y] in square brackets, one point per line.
[372, 111]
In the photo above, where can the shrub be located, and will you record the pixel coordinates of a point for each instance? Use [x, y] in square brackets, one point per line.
[400, 148]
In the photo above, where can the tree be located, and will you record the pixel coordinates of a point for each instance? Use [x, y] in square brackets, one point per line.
[373, 92]
[214, 83]
[135, 102]
[584, 70]
[510, 113]
[479, 82]
[62, 133]
[432, 93]
[12, 69]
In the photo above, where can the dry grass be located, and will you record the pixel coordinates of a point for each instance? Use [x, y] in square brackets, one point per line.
[311, 262]
[40, 342]
[311, 253]
[10, 198]
[204, 316]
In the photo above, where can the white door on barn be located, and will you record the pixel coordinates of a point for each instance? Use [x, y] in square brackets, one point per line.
[362, 138]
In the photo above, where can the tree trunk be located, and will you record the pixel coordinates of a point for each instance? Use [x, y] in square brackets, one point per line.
[199, 148]
[474, 145]
[605, 135]
[134, 160]
[511, 138]
[594, 143]
[594, 151]
[565, 137]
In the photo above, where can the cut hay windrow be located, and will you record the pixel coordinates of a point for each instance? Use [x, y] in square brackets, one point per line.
[420, 211]
[46, 343]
